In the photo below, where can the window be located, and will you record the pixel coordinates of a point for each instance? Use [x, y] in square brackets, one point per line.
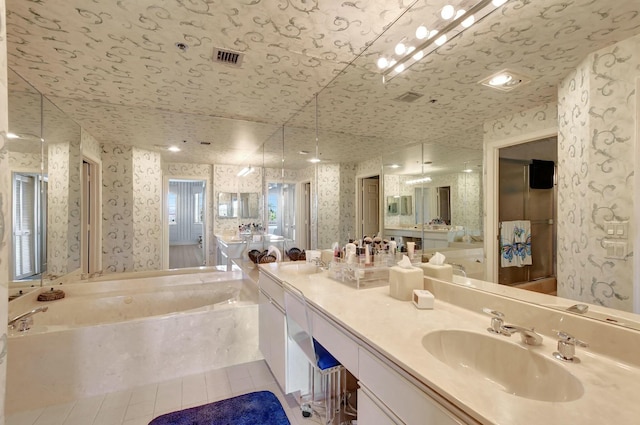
[197, 208]
[173, 207]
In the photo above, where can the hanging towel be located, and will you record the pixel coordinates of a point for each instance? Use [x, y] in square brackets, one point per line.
[515, 243]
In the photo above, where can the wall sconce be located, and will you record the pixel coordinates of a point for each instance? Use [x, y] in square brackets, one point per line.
[245, 171]
[451, 22]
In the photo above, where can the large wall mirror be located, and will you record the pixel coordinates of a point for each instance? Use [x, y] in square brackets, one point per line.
[430, 151]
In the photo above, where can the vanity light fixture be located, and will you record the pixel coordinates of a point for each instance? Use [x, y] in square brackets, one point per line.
[418, 181]
[245, 171]
[505, 80]
[173, 149]
[452, 21]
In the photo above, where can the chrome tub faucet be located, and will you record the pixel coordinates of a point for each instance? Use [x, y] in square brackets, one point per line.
[25, 320]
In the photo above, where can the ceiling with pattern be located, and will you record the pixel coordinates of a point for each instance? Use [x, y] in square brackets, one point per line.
[114, 67]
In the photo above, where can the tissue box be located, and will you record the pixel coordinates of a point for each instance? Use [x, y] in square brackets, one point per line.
[423, 299]
[443, 272]
[403, 281]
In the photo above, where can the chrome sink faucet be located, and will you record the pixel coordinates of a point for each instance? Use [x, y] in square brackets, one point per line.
[24, 320]
[528, 336]
[567, 347]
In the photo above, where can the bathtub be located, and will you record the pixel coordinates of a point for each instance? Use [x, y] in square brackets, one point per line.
[110, 335]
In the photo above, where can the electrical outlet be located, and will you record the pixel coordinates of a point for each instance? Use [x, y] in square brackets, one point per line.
[615, 249]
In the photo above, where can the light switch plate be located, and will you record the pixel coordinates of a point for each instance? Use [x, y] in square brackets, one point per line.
[616, 229]
[615, 249]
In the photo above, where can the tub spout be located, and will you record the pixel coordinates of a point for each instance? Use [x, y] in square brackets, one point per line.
[24, 321]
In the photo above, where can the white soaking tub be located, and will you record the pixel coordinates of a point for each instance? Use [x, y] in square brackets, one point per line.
[110, 335]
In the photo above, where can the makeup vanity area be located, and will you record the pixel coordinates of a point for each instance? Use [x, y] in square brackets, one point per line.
[407, 361]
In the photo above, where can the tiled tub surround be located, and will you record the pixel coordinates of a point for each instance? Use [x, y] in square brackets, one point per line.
[110, 335]
[393, 330]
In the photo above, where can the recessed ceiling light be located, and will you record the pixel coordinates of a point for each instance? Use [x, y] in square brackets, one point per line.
[505, 80]
[12, 136]
[174, 149]
[303, 152]
[393, 166]
[314, 160]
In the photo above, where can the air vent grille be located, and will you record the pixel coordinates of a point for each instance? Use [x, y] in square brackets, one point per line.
[408, 97]
[228, 57]
[205, 143]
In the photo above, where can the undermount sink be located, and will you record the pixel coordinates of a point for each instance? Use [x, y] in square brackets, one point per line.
[513, 368]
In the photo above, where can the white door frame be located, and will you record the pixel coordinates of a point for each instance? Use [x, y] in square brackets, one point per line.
[358, 217]
[491, 185]
[91, 248]
[208, 193]
[636, 208]
[302, 228]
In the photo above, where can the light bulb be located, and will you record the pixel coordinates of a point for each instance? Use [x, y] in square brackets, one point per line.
[500, 80]
[448, 12]
[498, 3]
[421, 32]
[399, 68]
[418, 56]
[441, 40]
[383, 63]
[433, 33]
[469, 21]
[460, 12]
[400, 49]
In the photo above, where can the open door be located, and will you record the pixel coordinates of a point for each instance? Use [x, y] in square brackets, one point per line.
[370, 205]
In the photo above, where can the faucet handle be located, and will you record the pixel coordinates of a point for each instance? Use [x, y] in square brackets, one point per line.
[567, 347]
[494, 313]
[496, 320]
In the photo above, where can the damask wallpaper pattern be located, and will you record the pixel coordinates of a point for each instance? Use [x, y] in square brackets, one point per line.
[64, 209]
[26, 162]
[597, 113]
[328, 204]
[117, 208]
[147, 210]
[89, 145]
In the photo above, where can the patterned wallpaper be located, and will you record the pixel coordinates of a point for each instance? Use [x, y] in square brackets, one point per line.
[541, 117]
[5, 205]
[347, 202]
[117, 208]
[27, 162]
[64, 209]
[147, 210]
[597, 114]
[328, 204]
[90, 146]
[198, 172]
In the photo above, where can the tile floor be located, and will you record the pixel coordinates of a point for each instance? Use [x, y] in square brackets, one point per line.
[138, 406]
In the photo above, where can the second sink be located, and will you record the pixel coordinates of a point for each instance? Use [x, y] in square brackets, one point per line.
[515, 369]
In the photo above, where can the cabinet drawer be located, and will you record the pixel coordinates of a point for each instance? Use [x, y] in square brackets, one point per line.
[404, 399]
[372, 412]
[272, 288]
[343, 348]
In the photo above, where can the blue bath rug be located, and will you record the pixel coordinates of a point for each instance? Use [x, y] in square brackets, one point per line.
[261, 407]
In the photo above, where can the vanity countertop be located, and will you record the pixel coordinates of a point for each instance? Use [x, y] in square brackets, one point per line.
[416, 229]
[395, 330]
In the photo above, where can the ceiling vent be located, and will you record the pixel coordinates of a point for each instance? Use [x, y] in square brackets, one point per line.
[228, 57]
[408, 97]
[205, 143]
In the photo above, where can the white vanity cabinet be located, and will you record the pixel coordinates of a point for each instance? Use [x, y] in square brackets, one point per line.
[387, 392]
[272, 327]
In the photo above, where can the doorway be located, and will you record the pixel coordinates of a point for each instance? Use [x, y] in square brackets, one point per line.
[90, 227]
[29, 222]
[527, 195]
[186, 212]
[369, 211]
[305, 234]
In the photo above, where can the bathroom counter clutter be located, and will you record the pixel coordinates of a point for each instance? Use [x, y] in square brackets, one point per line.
[506, 381]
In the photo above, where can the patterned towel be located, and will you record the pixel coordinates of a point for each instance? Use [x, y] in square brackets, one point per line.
[515, 243]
